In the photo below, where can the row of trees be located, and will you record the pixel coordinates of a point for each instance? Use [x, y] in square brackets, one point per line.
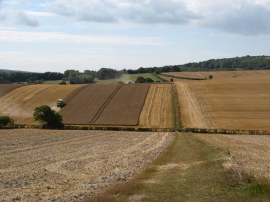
[16, 77]
[238, 63]
[76, 77]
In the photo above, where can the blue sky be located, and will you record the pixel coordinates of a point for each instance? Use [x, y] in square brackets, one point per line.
[55, 35]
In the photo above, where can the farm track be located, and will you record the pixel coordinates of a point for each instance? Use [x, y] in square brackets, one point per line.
[158, 108]
[85, 103]
[71, 165]
[125, 107]
[20, 103]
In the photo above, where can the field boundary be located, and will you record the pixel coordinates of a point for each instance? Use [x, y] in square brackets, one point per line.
[73, 94]
[140, 129]
[161, 78]
[183, 77]
[138, 122]
[224, 131]
[94, 127]
[176, 107]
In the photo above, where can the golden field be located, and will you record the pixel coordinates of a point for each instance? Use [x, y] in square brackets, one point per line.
[20, 103]
[158, 108]
[229, 103]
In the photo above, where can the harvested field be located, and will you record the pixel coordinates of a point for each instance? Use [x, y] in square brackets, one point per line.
[221, 74]
[235, 103]
[158, 108]
[249, 154]
[6, 88]
[125, 107]
[192, 113]
[52, 165]
[83, 105]
[20, 103]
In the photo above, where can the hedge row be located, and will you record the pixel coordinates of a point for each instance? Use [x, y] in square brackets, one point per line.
[225, 131]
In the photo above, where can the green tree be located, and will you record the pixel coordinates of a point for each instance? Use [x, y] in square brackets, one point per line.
[149, 80]
[107, 73]
[48, 117]
[140, 79]
[6, 121]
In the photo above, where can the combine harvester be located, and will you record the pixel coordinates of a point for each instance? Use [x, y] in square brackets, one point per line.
[60, 103]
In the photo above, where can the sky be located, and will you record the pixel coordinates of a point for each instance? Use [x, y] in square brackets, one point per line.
[55, 35]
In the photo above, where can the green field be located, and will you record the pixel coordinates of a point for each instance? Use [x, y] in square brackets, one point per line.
[128, 78]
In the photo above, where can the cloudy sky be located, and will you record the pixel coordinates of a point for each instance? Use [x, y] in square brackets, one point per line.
[55, 35]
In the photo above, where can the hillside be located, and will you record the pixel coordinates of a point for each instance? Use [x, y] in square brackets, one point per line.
[224, 64]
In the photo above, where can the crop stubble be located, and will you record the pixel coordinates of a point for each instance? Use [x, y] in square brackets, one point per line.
[158, 108]
[249, 153]
[70, 165]
[221, 74]
[6, 88]
[232, 103]
[20, 103]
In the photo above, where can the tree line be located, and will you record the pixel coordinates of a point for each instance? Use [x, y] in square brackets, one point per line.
[225, 64]
[74, 76]
[17, 77]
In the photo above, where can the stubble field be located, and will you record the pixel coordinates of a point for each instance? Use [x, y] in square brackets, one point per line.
[21, 102]
[230, 103]
[71, 165]
[220, 74]
[158, 108]
[6, 88]
[249, 153]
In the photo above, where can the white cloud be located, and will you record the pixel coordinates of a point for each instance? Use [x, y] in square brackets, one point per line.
[140, 11]
[20, 36]
[237, 16]
[40, 14]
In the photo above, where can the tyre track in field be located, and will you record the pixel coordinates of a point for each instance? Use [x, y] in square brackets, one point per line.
[105, 104]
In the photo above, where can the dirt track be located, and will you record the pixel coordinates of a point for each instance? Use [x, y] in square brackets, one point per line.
[158, 108]
[125, 107]
[20, 103]
[70, 165]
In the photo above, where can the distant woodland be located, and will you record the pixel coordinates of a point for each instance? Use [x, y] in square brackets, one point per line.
[74, 76]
